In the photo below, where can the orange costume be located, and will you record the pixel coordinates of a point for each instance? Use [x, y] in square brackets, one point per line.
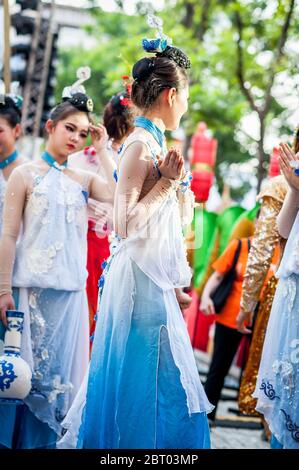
[230, 311]
[227, 338]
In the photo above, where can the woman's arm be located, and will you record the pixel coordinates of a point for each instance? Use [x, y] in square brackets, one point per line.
[14, 202]
[99, 141]
[130, 212]
[100, 189]
[288, 213]
[265, 238]
[290, 206]
[206, 304]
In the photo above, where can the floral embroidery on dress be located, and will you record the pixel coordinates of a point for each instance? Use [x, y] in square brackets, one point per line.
[41, 261]
[58, 388]
[38, 332]
[71, 201]
[40, 203]
[291, 426]
[296, 254]
[289, 292]
[39, 199]
[285, 371]
[268, 390]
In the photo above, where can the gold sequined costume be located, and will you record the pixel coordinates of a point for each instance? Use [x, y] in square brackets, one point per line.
[265, 241]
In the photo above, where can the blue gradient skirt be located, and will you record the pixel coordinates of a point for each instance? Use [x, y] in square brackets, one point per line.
[136, 400]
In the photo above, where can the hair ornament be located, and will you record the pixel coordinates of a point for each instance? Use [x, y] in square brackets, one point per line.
[122, 99]
[12, 99]
[90, 152]
[162, 47]
[76, 93]
[160, 43]
[2, 92]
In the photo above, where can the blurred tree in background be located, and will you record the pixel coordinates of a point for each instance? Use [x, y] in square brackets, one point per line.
[244, 57]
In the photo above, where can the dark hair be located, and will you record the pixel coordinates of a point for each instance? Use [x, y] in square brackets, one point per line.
[119, 116]
[10, 112]
[155, 74]
[64, 110]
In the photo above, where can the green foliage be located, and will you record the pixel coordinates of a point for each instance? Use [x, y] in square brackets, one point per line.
[207, 32]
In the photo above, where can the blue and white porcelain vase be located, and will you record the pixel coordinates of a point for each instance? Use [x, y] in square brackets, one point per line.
[15, 373]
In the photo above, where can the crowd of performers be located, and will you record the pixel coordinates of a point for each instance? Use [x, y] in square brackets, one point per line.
[92, 251]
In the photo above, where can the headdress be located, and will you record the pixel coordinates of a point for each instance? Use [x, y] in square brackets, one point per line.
[122, 100]
[76, 93]
[10, 100]
[161, 46]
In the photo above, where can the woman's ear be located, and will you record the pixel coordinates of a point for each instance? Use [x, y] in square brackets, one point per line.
[18, 131]
[49, 126]
[170, 95]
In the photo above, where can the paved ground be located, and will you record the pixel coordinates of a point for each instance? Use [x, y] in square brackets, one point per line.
[233, 435]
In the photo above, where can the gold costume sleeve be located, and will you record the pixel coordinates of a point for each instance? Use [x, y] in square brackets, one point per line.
[265, 238]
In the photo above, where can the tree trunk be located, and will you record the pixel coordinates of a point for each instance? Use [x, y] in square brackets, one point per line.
[261, 154]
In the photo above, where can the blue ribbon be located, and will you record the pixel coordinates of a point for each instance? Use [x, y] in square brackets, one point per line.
[11, 158]
[52, 162]
[148, 125]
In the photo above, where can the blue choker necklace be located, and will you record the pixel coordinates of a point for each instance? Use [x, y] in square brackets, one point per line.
[148, 125]
[52, 162]
[11, 158]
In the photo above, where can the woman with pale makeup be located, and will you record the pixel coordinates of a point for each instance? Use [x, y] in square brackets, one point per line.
[143, 388]
[44, 273]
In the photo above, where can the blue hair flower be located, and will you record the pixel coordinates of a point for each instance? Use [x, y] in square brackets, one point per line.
[154, 45]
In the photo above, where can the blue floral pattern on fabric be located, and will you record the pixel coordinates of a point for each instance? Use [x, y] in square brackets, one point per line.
[291, 426]
[269, 391]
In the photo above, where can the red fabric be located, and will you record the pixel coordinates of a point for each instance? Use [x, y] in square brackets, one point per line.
[243, 351]
[97, 252]
[202, 325]
[190, 314]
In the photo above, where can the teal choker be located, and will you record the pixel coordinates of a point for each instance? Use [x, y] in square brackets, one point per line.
[148, 125]
[11, 158]
[52, 162]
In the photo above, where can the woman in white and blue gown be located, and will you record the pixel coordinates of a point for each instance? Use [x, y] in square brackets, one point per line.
[277, 388]
[44, 273]
[143, 388]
